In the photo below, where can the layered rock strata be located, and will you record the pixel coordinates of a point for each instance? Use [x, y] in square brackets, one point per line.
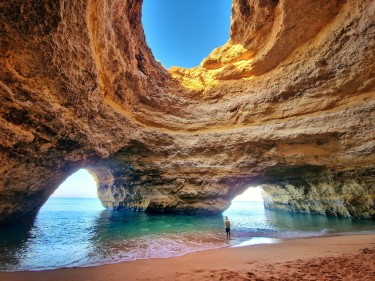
[287, 103]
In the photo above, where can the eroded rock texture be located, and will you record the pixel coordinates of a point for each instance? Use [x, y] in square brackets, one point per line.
[287, 103]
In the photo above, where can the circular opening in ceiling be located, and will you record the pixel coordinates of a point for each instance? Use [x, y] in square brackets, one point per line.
[183, 33]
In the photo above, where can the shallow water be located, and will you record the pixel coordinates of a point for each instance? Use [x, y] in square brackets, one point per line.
[79, 232]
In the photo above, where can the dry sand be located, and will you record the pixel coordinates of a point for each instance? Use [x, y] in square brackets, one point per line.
[350, 257]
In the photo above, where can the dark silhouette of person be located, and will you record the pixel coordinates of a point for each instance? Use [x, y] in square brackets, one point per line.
[227, 227]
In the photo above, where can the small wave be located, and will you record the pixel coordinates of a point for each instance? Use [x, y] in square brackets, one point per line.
[162, 246]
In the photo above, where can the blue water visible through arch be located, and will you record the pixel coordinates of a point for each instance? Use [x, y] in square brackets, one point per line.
[70, 232]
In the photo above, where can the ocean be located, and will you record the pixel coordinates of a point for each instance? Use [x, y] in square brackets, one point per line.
[78, 232]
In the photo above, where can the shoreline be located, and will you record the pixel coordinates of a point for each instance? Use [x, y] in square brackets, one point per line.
[303, 256]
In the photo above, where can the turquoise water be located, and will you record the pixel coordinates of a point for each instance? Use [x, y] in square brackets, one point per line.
[79, 232]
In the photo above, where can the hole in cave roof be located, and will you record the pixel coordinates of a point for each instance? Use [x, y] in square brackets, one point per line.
[183, 33]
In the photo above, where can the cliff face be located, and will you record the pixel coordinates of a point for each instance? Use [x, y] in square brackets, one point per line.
[287, 103]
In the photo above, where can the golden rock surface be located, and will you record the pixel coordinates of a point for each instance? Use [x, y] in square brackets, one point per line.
[288, 103]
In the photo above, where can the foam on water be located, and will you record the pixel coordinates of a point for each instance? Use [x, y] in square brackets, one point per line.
[78, 232]
[258, 240]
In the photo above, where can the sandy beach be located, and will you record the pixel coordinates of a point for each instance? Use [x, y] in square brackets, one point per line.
[346, 257]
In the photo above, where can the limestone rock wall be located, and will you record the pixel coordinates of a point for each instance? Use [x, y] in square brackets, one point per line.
[290, 97]
[342, 195]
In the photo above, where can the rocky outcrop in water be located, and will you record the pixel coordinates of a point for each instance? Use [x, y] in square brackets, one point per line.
[287, 103]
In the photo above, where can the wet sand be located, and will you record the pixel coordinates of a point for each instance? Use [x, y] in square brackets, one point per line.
[348, 257]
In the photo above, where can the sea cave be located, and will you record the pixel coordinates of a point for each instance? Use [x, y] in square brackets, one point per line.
[287, 104]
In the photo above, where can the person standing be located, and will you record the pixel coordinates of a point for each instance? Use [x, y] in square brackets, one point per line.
[227, 227]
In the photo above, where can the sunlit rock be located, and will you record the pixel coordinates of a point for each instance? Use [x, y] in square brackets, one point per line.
[290, 97]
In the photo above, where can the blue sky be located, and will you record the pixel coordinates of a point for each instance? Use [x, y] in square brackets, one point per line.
[183, 32]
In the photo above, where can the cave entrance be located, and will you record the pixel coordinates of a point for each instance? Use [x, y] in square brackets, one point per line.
[76, 194]
[65, 229]
[247, 211]
[247, 204]
[81, 184]
[183, 33]
[75, 203]
[250, 222]
[252, 194]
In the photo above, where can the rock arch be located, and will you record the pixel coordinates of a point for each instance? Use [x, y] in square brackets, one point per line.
[288, 101]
